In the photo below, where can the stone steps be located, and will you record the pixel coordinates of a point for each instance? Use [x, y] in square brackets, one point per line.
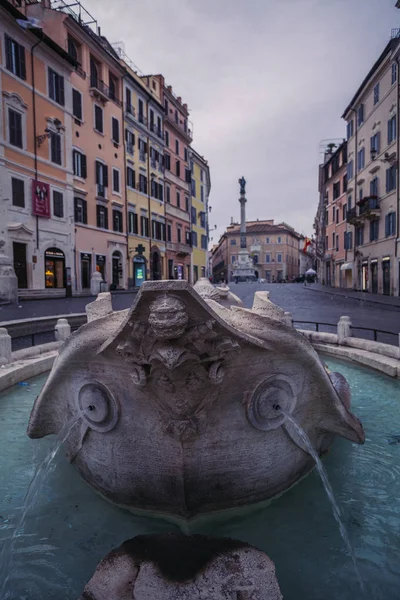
[24, 294]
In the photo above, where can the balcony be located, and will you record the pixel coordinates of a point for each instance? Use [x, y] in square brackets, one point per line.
[352, 217]
[142, 119]
[101, 90]
[155, 129]
[179, 248]
[369, 207]
[130, 111]
[181, 128]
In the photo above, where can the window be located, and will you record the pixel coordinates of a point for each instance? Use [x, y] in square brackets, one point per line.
[337, 215]
[140, 105]
[18, 192]
[268, 257]
[392, 129]
[130, 177]
[168, 194]
[152, 120]
[326, 217]
[345, 183]
[94, 73]
[142, 149]
[344, 213]
[193, 215]
[79, 164]
[376, 94]
[130, 141]
[337, 243]
[55, 148]
[336, 190]
[73, 49]
[192, 166]
[115, 130]
[333, 240]
[390, 224]
[394, 73]
[117, 221]
[186, 154]
[169, 232]
[267, 240]
[167, 139]
[179, 233]
[204, 242]
[359, 236]
[373, 230]
[178, 199]
[112, 86]
[375, 141]
[349, 202]
[56, 87]
[187, 203]
[202, 193]
[202, 219]
[77, 104]
[128, 101]
[279, 257]
[177, 147]
[178, 168]
[194, 239]
[348, 240]
[391, 175]
[361, 159]
[279, 240]
[360, 194]
[101, 178]
[233, 242]
[98, 118]
[350, 129]
[58, 204]
[102, 217]
[15, 128]
[176, 116]
[116, 185]
[15, 57]
[201, 175]
[350, 169]
[167, 160]
[144, 226]
[373, 187]
[333, 214]
[360, 115]
[193, 183]
[143, 183]
[80, 209]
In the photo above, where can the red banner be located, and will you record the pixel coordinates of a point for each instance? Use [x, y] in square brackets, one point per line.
[40, 199]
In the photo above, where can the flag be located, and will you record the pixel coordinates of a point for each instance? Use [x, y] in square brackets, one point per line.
[307, 242]
[30, 23]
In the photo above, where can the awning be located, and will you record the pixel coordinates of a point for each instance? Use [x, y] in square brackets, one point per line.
[346, 267]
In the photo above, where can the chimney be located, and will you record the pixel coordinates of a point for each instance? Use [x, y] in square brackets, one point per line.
[179, 100]
[185, 105]
[232, 221]
[169, 88]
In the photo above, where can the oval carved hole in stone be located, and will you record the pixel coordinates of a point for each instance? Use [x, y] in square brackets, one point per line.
[98, 407]
[275, 390]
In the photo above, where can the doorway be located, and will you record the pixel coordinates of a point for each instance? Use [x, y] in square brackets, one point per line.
[386, 277]
[19, 254]
[155, 265]
[374, 277]
[364, 277]
[116, 268]
[86, 269]
[54, 271]
[170, 269]
[139, 271]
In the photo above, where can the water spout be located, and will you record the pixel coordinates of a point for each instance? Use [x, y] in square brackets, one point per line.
[35, 485]
[328, 489]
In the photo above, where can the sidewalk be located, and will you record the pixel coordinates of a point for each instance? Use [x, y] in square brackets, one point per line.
[392, 301]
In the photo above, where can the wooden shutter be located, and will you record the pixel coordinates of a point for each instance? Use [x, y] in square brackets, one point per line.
[160, 192]
[145, 147]
[98, 213]
[106, 217]
[18, 195]
[21, 59]
[105, 175]
[84, 204]
[115, 130]
[83, 166]
[51, 84]
[76, 209]
[8, 44]
[77, 104]
[98, 167]
[61, 94]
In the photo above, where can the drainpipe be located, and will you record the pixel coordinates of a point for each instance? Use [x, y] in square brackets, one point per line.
[397, 175]
[149, 191]
[126, 184]
[353, 110]
[34, 130]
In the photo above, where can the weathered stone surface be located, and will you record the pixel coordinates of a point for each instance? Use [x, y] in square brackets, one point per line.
[95, 283]
[63, 330]
[220, 293]
[101, 307]
[176, 567]
[5, 347]
[175, 403]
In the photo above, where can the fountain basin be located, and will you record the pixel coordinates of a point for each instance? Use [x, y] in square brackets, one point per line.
[70, 528]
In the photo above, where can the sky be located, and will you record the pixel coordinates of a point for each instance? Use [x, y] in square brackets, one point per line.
[266, 81]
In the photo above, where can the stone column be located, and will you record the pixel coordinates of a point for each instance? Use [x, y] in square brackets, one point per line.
[288, 319]
[5, 347]
[344, 329]
[63, 330]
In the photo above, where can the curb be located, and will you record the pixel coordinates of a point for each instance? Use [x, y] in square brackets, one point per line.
[343, 295]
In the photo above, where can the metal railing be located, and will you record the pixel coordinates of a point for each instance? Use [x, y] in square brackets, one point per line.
[371, 333]
[395, 33]
[100, 86]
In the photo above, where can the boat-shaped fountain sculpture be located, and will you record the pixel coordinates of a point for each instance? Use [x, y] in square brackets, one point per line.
[177, 400]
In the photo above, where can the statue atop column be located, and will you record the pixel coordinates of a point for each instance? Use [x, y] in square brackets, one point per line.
[242, 183]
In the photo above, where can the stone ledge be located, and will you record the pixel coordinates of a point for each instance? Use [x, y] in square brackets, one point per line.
[35, 351]
[24, 369]
[384, 364]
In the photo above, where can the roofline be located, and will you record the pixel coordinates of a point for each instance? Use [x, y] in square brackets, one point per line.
[39, 33]
[389, 46]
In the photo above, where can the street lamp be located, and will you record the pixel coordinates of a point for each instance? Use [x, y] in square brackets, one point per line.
[48, 132]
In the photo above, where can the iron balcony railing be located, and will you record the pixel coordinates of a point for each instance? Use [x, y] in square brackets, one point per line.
[368, 204]
[155, 129]
[395, 33]
[101, 87]
[142, 119]
[130, 110]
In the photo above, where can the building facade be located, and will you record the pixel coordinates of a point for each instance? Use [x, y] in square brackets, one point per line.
[35, 154]
[200, 190]
[177, 177]
[273, 248]
[373, 188]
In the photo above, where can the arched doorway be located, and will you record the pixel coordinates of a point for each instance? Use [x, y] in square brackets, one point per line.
[139, 270]
[155, 264]
[117, 271]
[54, 270]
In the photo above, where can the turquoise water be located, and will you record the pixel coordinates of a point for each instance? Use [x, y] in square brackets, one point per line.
[70, 528]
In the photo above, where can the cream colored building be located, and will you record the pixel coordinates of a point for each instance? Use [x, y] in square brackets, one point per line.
[200, 190]
[372, 189]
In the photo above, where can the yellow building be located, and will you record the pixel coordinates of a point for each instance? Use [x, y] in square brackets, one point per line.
[201, 185]
[144, 152]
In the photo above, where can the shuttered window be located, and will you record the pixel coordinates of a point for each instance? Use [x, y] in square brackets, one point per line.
[55, 142]
[56, 87]
[130, 177]
[18, 192]
[80, 210]
[77, 104]
[58, 204]
[132, 222]
[98, 118]
[15, 57]
[15, 127]
[117, 221]
[115, 130]
[102, 217]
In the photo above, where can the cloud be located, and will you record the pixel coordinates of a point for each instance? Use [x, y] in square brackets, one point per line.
[265, 80]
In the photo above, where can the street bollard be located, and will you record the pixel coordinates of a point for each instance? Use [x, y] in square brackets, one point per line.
[63, 330]
[5, 347]
[288, 319]
[343, 329]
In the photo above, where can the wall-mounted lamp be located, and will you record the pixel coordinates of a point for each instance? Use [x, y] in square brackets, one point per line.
[48, 132]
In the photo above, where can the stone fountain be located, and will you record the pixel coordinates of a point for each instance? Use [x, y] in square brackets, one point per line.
[175, 401]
